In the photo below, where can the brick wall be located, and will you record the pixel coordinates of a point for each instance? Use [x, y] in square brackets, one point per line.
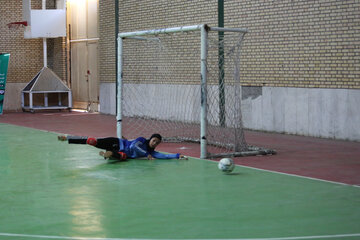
[146, 14]
[312, 44]
[107, 56]
[57, 58]
[300, 43]
[26, 55]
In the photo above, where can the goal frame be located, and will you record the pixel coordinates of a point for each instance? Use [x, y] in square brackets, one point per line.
[204, 29]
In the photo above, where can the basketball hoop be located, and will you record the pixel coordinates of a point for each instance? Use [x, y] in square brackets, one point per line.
[16, 25]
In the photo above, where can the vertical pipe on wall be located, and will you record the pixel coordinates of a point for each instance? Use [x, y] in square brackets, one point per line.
[44, 39]
[221, 62]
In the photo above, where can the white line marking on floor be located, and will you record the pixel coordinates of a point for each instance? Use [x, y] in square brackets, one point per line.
[300, 176]
[96, 238]
[288, 174]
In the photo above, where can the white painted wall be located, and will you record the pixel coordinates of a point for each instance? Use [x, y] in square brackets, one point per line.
[328, 113]
[107, 98]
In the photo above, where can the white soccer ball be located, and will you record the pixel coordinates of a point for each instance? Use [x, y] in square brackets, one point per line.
[226, 165]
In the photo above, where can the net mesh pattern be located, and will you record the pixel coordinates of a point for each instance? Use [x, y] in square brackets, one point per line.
[162, 88]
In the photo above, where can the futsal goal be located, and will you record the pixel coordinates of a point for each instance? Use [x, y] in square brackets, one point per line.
[183, 83]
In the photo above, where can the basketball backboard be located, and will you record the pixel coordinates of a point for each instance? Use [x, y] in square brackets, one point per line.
[44, 23]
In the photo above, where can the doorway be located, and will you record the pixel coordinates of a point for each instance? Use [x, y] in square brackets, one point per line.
[82, 19]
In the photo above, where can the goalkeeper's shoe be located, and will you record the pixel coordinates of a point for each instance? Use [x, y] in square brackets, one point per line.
[108, 154]
[62, 138]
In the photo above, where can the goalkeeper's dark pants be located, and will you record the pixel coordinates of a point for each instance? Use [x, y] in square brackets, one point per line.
[108, 144]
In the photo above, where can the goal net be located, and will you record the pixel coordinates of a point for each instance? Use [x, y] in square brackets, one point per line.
[183, 83]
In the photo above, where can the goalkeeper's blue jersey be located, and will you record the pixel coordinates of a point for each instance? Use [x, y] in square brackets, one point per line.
[138, 148]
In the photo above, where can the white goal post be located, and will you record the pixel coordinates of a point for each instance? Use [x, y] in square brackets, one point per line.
[157, 91]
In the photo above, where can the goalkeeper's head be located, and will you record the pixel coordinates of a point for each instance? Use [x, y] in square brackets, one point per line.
[154, 141]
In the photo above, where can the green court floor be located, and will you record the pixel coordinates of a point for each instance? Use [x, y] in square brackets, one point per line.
[53, 190]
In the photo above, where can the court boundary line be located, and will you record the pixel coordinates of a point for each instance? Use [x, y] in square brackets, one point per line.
[99, 238]
[287, 174]
[300, 176]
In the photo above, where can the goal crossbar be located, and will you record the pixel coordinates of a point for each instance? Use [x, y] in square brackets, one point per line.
[179, 29]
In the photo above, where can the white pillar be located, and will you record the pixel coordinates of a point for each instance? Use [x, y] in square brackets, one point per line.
[45, 52]
[119, 79]
[203, 120]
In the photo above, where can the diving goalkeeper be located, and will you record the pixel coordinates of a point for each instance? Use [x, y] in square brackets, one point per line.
[123, 149]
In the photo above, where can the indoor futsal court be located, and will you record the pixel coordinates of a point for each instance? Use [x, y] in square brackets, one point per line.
[55, 190]
[258, 99]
